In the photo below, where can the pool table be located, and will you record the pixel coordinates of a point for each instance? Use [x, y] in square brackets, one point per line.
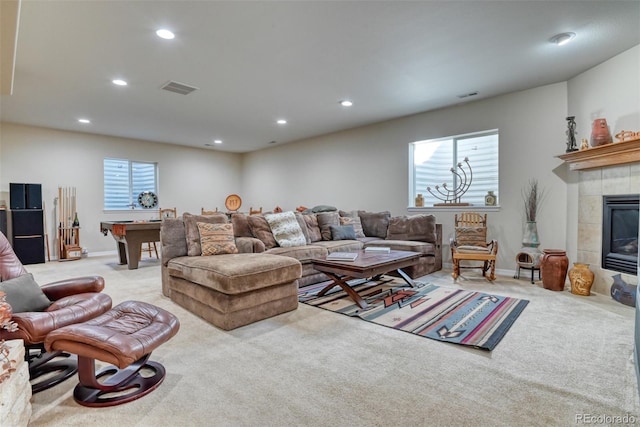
[130, 235]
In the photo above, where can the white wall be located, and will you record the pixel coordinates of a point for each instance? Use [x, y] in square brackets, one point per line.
[189, 178]
[367, 168]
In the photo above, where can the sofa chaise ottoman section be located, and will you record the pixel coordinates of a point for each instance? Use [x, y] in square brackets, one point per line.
[233, 290]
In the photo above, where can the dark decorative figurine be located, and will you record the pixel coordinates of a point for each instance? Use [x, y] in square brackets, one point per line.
[571, 134]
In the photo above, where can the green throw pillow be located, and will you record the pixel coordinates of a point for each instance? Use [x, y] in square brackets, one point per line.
[24, 294]
[342, 232]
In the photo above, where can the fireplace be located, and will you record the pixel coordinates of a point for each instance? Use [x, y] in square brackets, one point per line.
[620, 233]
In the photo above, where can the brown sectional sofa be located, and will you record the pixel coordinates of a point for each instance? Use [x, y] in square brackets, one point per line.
[262, 279]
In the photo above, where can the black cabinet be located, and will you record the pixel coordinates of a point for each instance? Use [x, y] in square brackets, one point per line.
[27, 227]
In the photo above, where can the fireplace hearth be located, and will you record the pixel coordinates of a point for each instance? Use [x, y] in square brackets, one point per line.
[620, 233]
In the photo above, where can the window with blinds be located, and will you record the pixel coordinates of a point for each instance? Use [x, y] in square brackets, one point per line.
[431, 162]
[124, 180]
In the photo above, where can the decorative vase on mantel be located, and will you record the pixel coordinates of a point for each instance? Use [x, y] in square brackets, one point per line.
[581, 278]
[530, 242]
[600, 134]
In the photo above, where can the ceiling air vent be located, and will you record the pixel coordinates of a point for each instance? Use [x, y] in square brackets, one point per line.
[178, 87]
[466, 95]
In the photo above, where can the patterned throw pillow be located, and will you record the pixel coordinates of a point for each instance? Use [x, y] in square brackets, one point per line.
[216, 239]
[312, 227]
[355, 221]
[286, 230]
[192, 232]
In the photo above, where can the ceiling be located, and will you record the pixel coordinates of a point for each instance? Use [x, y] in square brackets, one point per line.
[256, 62]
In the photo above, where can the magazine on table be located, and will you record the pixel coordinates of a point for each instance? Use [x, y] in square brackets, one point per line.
[342, 256]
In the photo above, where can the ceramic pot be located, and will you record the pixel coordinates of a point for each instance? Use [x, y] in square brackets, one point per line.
[553, 269]
[581, 279]
[600, 134]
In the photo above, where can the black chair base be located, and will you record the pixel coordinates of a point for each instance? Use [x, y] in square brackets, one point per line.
[49, 369]
[112, 386]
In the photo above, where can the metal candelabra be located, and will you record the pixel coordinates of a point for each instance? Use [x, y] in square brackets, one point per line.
[452, 196]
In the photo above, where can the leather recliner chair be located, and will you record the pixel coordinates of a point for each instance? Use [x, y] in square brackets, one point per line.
[73, 301]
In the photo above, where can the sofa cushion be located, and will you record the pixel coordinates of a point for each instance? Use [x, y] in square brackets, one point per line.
[416, 227]
[375, 224]
[286, 229]
[342, 232]
[312, 227]
[325, 221]
[260, 230]
[424, 248]
[236, 273]
[340, 245]
[216, 239]
[355, 221]
[301, 253]
[240, 225]
[24, 294]
[192, 232]
[173, 239]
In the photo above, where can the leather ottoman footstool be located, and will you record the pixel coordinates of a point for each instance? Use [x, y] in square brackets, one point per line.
[125, 336]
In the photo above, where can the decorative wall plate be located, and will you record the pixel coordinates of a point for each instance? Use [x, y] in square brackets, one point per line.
[233, 202]
[148, 199]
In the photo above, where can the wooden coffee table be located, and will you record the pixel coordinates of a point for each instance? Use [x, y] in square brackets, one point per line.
[367, 265]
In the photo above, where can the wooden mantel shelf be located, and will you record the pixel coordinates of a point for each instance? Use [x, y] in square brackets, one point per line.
[617, 153]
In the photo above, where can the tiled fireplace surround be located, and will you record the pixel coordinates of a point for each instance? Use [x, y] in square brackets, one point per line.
[593, 184]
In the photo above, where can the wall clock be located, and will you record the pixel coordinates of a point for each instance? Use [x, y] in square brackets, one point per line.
[148, 199]
[233, 202]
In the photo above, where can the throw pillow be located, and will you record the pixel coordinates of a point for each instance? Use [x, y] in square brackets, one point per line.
[342, 232]
[323, 208]
[303, 226]
[471, 236]
[355, 222]
[325, 220]
[240, 225]
[24, 294]
[312, 227]
[286, 230]
[193, 233]
[217, 239]
[416, 227]
[260, 230]
[375, 224]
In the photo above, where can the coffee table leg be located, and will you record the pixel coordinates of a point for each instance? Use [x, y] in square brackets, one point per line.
[342, 282]
[406, 278]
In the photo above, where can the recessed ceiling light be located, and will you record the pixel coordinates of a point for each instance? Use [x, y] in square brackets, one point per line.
[281, 122]
[562, 38]
[85, 121]
[165, 34]
[119, 82]
[217, 141]
[346, 103]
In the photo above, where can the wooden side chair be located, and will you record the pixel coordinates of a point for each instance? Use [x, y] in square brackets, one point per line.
[205, 212]
[255, 211]
[470, 244]
[151, 246]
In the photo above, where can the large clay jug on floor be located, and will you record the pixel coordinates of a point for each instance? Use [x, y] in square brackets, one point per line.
[553, 268]
[581, 279]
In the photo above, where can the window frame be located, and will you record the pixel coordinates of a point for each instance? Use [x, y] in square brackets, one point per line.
[412, 185]
[132, 198]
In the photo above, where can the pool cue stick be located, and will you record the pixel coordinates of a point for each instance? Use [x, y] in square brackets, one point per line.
[46, 232]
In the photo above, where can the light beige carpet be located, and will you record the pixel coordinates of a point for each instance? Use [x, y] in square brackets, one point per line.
[565, 357]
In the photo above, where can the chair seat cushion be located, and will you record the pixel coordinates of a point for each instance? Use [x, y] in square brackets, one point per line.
[466, 249]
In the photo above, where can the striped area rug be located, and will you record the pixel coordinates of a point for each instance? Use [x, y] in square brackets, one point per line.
[445, 314]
